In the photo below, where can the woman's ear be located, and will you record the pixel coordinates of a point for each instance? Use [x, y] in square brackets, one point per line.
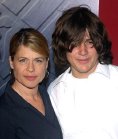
[47, 63]
[11, 62]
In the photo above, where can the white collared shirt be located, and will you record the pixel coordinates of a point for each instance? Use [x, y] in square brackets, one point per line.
[87, 108]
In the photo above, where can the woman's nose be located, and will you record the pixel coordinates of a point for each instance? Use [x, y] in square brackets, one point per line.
[30, 66]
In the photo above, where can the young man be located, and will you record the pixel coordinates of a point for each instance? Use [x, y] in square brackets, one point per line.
[85, 95]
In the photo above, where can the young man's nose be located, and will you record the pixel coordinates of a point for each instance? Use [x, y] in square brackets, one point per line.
[82, 49]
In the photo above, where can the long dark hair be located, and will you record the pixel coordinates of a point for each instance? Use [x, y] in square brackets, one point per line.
[70, 29]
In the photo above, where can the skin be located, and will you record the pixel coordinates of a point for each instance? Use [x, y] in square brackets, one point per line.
[83, 58]
[29, 70]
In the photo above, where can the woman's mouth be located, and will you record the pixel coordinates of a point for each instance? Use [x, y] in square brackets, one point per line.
[31, 78]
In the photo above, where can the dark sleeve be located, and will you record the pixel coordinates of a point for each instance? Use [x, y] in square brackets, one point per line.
[6, 127]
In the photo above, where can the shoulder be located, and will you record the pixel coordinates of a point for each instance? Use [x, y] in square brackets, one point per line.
[4, 112]
[5, 108]
[6, 123]
[4, 115]
[113, 68]
[108, 71]
[113, 71]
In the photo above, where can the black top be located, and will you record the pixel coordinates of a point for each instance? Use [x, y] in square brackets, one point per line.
[20, 120]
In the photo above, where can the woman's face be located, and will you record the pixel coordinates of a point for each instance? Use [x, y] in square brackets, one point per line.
[29, 67]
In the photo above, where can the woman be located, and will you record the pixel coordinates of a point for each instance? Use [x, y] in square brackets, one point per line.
[25, 109]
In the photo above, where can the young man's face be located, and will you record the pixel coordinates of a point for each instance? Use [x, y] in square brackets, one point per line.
[83, 58]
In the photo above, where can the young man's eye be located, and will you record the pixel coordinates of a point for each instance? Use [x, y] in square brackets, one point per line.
[89, 43]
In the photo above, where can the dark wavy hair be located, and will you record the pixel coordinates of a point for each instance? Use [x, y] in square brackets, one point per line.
[70, 29]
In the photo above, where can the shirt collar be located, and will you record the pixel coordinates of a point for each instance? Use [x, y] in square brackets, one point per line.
[101, 69]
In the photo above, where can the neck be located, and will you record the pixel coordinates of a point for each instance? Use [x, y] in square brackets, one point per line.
[83, 73]
[26, 93]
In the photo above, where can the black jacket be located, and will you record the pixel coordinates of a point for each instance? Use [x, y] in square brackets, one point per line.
[20, 120]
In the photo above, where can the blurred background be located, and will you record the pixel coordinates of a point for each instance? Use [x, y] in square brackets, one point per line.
[42, 15]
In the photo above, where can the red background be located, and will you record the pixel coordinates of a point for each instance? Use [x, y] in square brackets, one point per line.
[108, 12]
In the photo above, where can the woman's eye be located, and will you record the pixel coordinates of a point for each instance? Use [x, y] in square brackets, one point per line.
[22, 60]
[39, 60]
